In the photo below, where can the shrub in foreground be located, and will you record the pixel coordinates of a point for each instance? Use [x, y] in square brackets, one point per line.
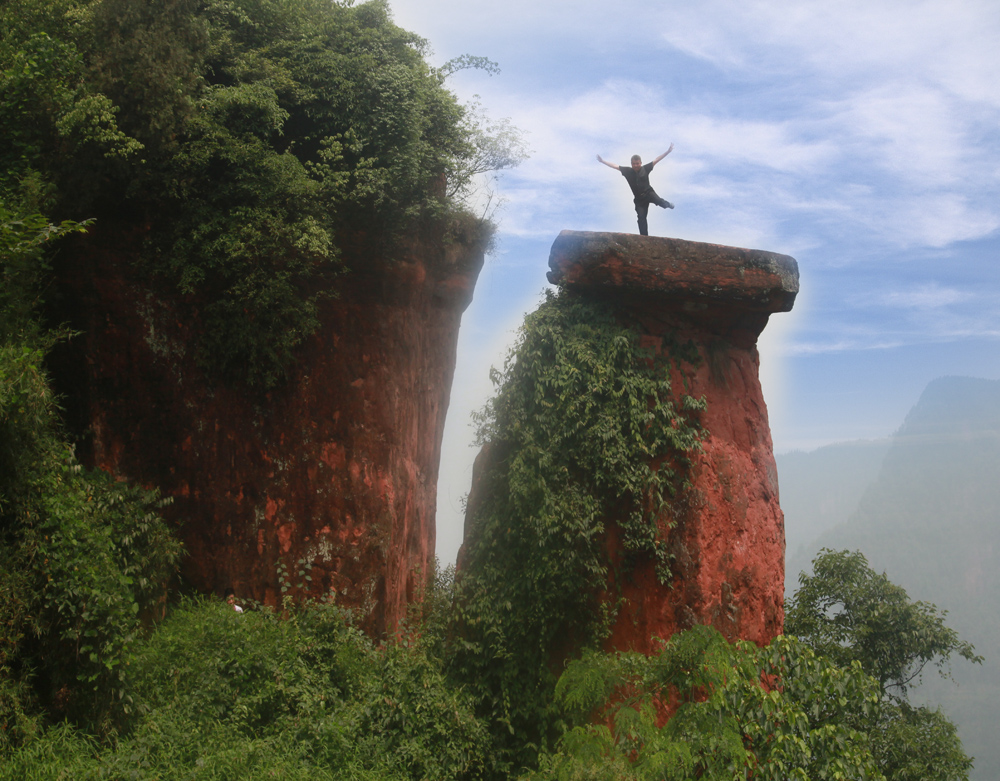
[303, 695]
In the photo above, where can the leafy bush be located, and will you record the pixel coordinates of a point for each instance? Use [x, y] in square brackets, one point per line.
[738, 711]
[303, 695]
[85, 556]
[780, 712]
[82, 557]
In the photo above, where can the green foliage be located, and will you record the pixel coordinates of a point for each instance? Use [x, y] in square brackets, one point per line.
[82, 557]
[105, 556]
[496, 145]
[90, 555]
[739, 712]
[848, 612]
[854, 615]
[780, 712]
[429, 616]
[583, 427]
[53, 122]
[245, 139]
[302, 695]
[24, 268]
[25, 415]
[911, 744]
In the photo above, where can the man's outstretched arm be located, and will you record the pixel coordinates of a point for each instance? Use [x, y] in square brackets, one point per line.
[609, 165]
[663, 155]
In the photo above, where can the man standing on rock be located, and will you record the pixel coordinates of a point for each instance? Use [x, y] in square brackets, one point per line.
[638, 179]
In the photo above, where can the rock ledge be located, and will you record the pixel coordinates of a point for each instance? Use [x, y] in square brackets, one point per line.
[701, 274]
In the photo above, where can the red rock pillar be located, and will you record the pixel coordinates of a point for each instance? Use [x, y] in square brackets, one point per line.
[334, 473]
[727, 536]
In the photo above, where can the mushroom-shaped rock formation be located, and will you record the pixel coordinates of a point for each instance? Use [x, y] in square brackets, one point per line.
[727, 532]
[729, 542]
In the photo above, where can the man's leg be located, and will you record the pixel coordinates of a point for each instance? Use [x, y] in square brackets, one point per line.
[661, 202]
[641, 210]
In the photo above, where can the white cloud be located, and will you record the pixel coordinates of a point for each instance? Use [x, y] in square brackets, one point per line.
[775, 144]
[888, 166]
[949, 42]
[806, 348]
[931, 296]
[912, 131]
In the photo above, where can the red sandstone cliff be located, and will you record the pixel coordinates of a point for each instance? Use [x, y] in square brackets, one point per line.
[335, 472]
[728, 534]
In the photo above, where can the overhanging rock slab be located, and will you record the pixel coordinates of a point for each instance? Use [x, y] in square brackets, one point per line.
[699, 274]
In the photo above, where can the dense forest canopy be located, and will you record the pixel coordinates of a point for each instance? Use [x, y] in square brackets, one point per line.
[240, 142]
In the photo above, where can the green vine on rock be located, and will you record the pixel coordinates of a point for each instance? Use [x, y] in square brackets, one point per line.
[584, 428]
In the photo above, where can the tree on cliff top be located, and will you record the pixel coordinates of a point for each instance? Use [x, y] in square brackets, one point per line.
[243, 139]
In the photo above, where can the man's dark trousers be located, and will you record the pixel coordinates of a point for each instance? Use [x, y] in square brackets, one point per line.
[642, 209]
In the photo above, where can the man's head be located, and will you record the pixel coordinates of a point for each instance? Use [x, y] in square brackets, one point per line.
[636, 162]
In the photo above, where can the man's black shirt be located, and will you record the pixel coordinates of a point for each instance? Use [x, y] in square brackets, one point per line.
[638, 180]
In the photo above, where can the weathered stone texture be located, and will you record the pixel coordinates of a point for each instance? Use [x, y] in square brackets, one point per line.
[728, 533]
[334, 473]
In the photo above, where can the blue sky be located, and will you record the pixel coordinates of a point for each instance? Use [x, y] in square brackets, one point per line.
[862, 138]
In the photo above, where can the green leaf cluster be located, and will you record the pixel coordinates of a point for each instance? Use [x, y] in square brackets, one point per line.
[233, 146]
[584, 427]
[814, 706]
[298, 695]
[851, 613]
[737, 712]
[82, 558]
[854, 615]
[783, 711]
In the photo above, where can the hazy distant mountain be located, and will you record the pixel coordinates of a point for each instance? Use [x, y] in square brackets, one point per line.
[931, 521]
[822, 488]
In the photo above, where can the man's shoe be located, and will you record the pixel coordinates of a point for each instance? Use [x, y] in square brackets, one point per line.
[667, 205]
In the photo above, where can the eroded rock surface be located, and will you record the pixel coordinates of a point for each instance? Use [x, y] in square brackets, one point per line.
[727, 536]
[333, 474]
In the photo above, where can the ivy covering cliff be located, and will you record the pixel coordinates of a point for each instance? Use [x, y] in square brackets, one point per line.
[584, 428]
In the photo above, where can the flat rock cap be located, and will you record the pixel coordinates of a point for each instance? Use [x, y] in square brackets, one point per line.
[749, 279]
